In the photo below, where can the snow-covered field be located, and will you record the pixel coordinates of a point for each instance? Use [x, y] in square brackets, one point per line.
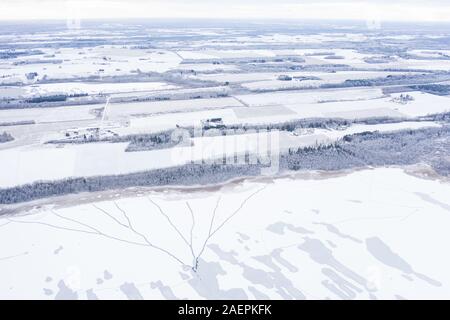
[52, 115]
[214, 54]
[102, 61]
[247, 245]
[266, 81]
[311, 96]
[168, 108]
[351, 103]
[376, 232]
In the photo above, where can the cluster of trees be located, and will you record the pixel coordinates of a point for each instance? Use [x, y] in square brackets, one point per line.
[304, 78]
[323, 157]
[145, 142]
[16, 123]
[386, 50]
[244, 61]
[440, 56]
[319, 54]
[403, 99]
[398, 80]
[31, 75]
[12, 54]
[55, 98]
[285, 77]
[291, 126]
[289, 66]
[184, 175]
[52, 98]
[37, 61]
[441, 117]
[334, 57]
[437, 89]
[430, 145]
[5, 137]
[379, 60]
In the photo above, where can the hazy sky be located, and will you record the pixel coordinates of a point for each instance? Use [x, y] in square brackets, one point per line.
[403, 10]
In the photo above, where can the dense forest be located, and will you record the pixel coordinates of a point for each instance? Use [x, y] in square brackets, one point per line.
[5, 137]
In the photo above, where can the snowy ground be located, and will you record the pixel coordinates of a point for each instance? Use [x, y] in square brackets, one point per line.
[69, 63]
[246, 244]
[269, 81]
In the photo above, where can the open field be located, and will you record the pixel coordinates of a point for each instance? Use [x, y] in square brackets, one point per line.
[294, 248]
